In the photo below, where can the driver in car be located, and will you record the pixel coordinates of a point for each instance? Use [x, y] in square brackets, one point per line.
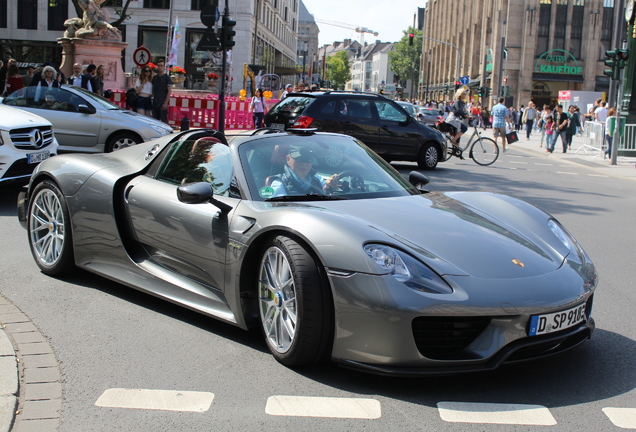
[299, 177]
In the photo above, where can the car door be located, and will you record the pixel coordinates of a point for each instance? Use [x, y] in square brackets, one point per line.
[72, 128]
[398, 132]
[357, 119]
[190, 239]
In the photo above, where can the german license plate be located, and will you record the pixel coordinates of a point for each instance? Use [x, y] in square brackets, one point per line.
[548, 323]
[34, 158]
[279, 126]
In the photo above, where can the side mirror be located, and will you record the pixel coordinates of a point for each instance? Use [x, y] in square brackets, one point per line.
[85, 109]
[418, 180]
[199, 193]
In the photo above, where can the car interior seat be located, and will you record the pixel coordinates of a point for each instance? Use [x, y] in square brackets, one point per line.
[278, 161]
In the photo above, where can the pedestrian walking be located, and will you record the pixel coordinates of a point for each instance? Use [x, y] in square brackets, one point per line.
[545, 115]
[609, 133]
[13, 78]
[528, 118]
[573, 124]
[161, 88]
[500, 119]
[88, 78]
[258, 108]
[560, 129]
[289, 89]
[76, 78]
[518, 117]
[98, 80]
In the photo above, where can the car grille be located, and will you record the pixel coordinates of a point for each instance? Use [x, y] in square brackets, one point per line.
[437, 337]
[32, 138]
[19, 168]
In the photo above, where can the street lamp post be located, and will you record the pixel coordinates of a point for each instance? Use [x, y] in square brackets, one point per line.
[304, 61]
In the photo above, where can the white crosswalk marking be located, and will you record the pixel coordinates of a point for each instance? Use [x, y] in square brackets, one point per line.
[167, 400]
[470, 412]
[622, 417]
[570, 173]
[304, 406]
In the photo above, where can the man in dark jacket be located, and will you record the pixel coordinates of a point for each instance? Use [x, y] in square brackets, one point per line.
[87, 78]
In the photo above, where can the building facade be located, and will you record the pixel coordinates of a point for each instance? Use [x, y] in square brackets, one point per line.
[520, 49]
[307, 50]
[266, 34]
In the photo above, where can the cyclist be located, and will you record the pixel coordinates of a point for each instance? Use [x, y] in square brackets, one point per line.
[457, 118]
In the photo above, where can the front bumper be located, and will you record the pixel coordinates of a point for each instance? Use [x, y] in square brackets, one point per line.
[377, 319]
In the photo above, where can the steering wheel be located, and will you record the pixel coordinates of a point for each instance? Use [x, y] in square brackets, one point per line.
[357, 182]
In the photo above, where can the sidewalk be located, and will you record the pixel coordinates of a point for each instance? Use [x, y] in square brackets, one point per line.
[30, 379]
[625, 166]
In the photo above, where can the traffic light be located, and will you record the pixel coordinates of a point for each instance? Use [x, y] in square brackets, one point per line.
[613, 71]
[446, 88]
[481, 92]
[381, 91]
[457, 85]
[486, 91]
[228, 32]
[411, 36]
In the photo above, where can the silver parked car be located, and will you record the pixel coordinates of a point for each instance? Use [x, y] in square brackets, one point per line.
[86, 122]
[321, 244]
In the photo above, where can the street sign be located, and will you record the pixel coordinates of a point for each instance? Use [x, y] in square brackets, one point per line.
[464, 80]
[209, 14]
[209, 42]
[141, 56]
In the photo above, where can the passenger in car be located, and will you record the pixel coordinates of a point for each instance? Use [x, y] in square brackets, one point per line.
[299, 177]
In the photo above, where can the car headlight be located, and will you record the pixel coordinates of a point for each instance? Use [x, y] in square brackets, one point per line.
[567, 239]
[160, 130]
[407, 269]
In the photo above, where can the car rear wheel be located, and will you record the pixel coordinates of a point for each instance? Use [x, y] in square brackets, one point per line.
[428, 157]
[49, 230]
[295, 309]
[121, 141]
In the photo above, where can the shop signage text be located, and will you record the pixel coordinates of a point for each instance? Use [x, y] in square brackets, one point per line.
[556, 62]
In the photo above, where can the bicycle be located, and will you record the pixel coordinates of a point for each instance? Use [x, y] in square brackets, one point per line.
[483, 150]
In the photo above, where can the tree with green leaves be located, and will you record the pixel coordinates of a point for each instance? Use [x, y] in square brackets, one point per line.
[404, 60]
[338, 69]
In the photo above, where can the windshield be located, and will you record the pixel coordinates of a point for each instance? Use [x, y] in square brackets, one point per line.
[96, 99]
[292, 104]
[286, 166]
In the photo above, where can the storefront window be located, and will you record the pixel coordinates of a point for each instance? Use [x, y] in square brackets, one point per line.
[28, 14]
[577, 29]
[200, 4]
[155, 39]
[3, 13]
[58, 13]
[545, 13]
[156, 4]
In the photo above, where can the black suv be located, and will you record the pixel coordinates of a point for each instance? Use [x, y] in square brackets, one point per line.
[378, 122]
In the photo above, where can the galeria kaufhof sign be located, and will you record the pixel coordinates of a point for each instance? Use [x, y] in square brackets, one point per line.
[558, 61]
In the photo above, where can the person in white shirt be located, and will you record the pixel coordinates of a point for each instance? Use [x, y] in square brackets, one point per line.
[76, 78]
[288, 90]
[600, 113]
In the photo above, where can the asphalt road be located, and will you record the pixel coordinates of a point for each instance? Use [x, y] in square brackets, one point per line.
[108, 336]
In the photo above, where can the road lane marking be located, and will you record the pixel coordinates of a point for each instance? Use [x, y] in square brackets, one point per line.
[543, 164]
[306, 406]
[570, 173]
[622, 417]
[597, 175]
[469, 412]
[167, 400]
[525, 163]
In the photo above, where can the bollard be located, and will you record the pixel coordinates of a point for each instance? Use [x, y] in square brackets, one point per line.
[185, 123]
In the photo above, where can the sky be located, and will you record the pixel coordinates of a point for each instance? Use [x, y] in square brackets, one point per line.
[387, 17]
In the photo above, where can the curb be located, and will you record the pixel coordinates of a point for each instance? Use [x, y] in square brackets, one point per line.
[30, 379]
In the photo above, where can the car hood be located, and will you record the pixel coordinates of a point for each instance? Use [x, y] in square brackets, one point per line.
[144, 119]
[11, 118]
[484, 235]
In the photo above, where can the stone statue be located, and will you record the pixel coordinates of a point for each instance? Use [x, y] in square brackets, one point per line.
[93, 24]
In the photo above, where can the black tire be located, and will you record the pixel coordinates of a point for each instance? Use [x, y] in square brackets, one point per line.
[293, 299]
[49, 230]
[428, 157]
[484, 151]
[121, 140]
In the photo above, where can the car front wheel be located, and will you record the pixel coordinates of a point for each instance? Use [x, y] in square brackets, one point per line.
[295, 307]
[121, 141]
[49, 230]
[428, 157]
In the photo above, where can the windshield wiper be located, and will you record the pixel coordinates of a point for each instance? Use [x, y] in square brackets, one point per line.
[307, 197]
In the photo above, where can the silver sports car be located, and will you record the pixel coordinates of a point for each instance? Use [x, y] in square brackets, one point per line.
[316, 240]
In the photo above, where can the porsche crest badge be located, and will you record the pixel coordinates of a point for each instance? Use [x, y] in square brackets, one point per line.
[517, 262]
